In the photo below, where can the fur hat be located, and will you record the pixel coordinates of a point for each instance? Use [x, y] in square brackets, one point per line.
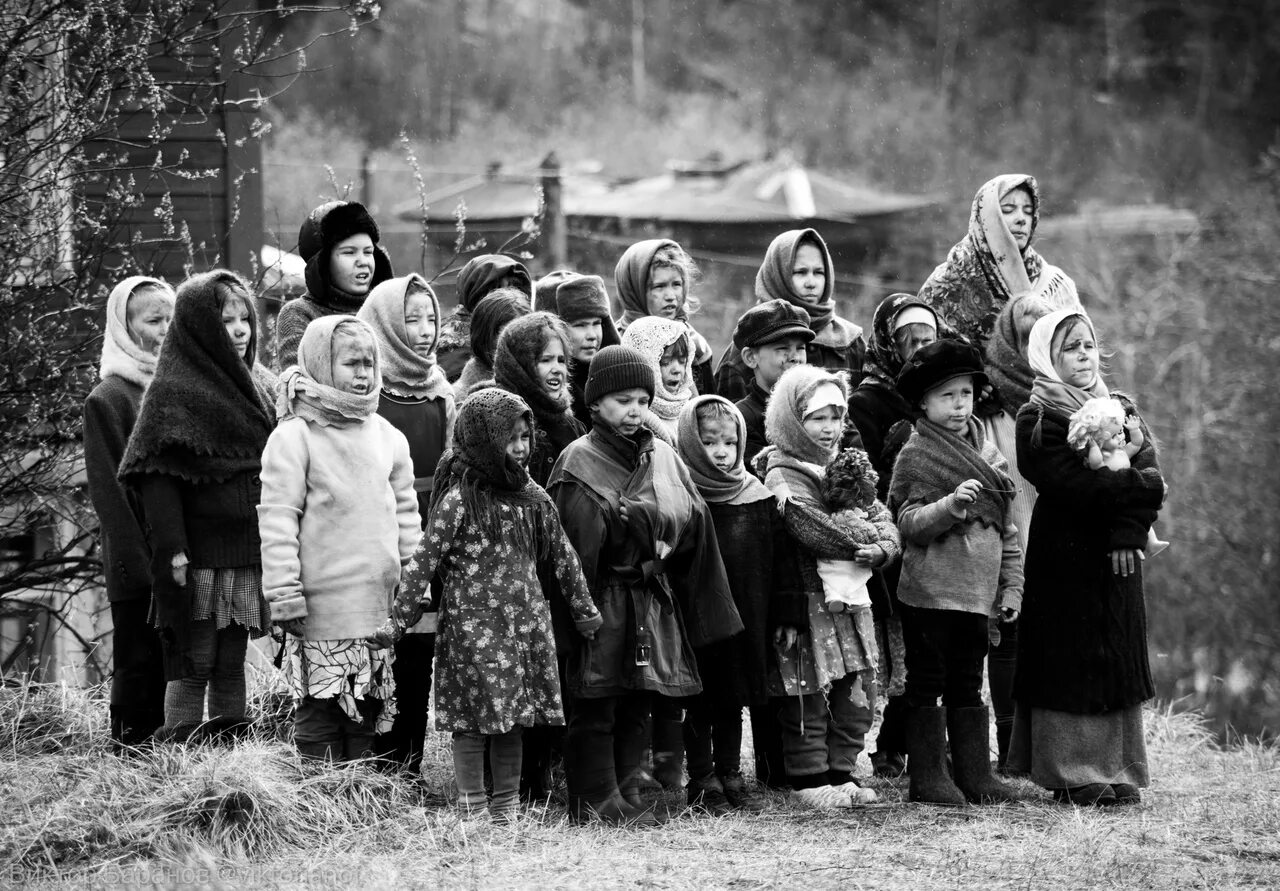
[770, 321]
[938, 363]
[584, 297]
[323, 228]
[617, 368]
[850, 481]
[544, 289]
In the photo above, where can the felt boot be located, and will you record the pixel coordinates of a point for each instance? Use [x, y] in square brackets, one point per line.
[707, 795]
[970, 732]
[927, 754]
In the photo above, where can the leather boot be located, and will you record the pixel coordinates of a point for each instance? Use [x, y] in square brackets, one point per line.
[970, 732]
[927, 754]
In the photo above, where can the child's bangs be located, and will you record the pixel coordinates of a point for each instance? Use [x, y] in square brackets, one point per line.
[678, 350]
[714, 410]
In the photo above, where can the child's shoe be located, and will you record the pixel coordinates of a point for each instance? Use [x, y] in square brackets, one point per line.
[708, 795]
[823, 798]
[1089, 795]
[740, 794]
[1125, 793]
[888, 765]
[857, 794]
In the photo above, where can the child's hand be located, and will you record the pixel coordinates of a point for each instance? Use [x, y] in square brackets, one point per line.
[386, 636]
[296, 627]
[784, 637]
[967, 492]
[622, 512]
[872, 555]
[1008, 614]
[1124, 561]
[179, 566]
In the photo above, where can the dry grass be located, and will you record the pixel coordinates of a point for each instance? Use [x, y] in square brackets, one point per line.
[74, 815]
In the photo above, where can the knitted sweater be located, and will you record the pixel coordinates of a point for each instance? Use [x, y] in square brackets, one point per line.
[109, 415]
[338, 518]
[292, 321]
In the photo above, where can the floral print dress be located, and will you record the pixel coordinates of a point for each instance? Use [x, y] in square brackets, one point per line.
[495, 654]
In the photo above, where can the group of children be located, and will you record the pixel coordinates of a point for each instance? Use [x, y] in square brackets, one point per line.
[559, 524]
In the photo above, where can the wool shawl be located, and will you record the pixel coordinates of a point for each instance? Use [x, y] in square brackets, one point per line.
[491, 484]
[405, 372]
[121, 356]
[307, 389]
[204, 418]
[985, 269]
[733, 486]
[935, 461]
[883, 361]
[784, 416]
[652, 335]
[1049, 390]
[515, 369]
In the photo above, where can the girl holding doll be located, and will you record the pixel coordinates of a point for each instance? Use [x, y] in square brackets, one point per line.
[649, 553]
[139, 311]
[488, 527]
[194, 458]
[418, 401]
[1083, 668]
[338, 517]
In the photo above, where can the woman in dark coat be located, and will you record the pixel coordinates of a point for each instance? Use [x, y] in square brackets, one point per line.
[797, 268]
[1083, 670]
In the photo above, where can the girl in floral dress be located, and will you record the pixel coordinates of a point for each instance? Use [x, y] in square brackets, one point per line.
[488, 527]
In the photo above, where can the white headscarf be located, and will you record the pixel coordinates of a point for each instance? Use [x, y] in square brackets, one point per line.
[121, 356]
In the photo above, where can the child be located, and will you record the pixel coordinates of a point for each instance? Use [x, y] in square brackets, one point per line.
[339, 242]
[770, 337]
[961, 562]
[648, 550]
[338, 517]
[139, 311]
[194, 458]
[583, 303]
[654, 278]
[491, 315]
[820, 661]
[762, 576]
[488, 527]
[479, 278]
[901, 325]
[665, 343]
[797, 268]
[418, 401]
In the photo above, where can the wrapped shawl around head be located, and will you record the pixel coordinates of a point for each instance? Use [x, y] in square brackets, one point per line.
[307, 389]
[204, 418]
[515, 369]
[631, 276]
[985, 269]
[120, 355]
[404, 371]
[883, 361]
[651, 336]
[784, 417]
[1049, 390]
[733, 486]
[489, 481]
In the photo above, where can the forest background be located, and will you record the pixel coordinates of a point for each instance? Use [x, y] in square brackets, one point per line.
[1107, 102]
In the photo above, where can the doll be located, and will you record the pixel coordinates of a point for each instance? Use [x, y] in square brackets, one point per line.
[1098, 429]
[849, 494]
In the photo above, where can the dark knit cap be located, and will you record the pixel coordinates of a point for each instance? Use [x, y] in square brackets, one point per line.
[936, 364]
[617, 368]
[544, 289]
[770, 321]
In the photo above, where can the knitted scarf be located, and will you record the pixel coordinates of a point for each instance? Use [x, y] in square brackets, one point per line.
[651, 335]
[883, 361]
[307, 389]
[935, 461]
[784, 416]
[493, 487]
[404, 372]
[121, 356]
[1049, 390]
[985, 269]
[734, 486]
[515, 369]
[203, 418]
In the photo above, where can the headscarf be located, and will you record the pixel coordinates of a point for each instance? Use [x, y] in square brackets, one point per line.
[651, 335]
[307, 389]
[735, 486]
[515, 369]
[788, 405]
[487, 479]
[481, 275]
[1006, 357]
[1049, 389]
[404, 372]
[631, 277]
[883, 361]
[985, 269]
[121, 356]
[204, 418]
[773, 282]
